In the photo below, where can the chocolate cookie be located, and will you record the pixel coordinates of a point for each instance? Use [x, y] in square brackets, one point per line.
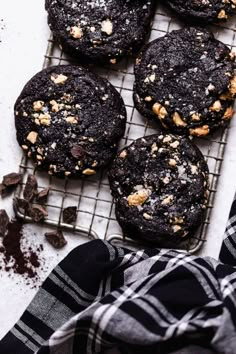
[159, 184]
[69, 120]
[186, 80]
[203, 11]
[100, 30]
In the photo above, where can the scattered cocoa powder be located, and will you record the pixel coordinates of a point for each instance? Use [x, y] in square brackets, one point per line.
[15, 258]
[4, 221]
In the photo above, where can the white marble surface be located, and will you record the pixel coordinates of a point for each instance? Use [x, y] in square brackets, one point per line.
[23, 43]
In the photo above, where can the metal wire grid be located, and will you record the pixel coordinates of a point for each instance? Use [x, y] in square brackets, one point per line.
[91, 196]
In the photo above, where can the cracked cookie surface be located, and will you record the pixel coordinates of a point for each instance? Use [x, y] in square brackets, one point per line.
[69, 120]
[100, 30]
[186, 81]
[159, 184]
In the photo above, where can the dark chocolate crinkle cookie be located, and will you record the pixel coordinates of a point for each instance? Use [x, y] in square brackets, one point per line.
[186, 80]
[203, 11]
[159, 184]
[69, 120]
[100, 30]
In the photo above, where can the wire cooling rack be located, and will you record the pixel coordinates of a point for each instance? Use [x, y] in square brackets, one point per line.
[95, 207]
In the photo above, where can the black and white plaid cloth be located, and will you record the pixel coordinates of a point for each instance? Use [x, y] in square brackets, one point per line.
[228, 249]
[102, 297]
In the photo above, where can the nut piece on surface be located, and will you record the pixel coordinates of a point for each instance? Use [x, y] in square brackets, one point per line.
[228, 113]
[76, 32]
[151, 78]
[172, 162]
[216, 107]
[201, 131]
[232, 87]
[55, 106]
[232, 53]
[176, 228]
[71, 120]
[148, 99]
[113, 61]
[166, 180]
[178, 121]
[40, 150]
[123, 154]
[175, 144]
[177, 220]
[222, 14]
[159, 110]
[167, 200]
[196, 117]
[154, 148]
[138, 198]
[38, 105]
[44, 119]
[58, 79]
[167, 139]
[227, 96]
[107, 27]
[147, 216]
[194, 169]
[32, 137]
[89, 172]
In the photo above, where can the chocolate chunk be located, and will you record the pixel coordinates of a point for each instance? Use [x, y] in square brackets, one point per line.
[2, 188]
[12, 179]
[4, 221]
[56, 238]
[37, 212]
[69, 215]
[21, 204]
[77, 152]
[43, 195]
[30, 189]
